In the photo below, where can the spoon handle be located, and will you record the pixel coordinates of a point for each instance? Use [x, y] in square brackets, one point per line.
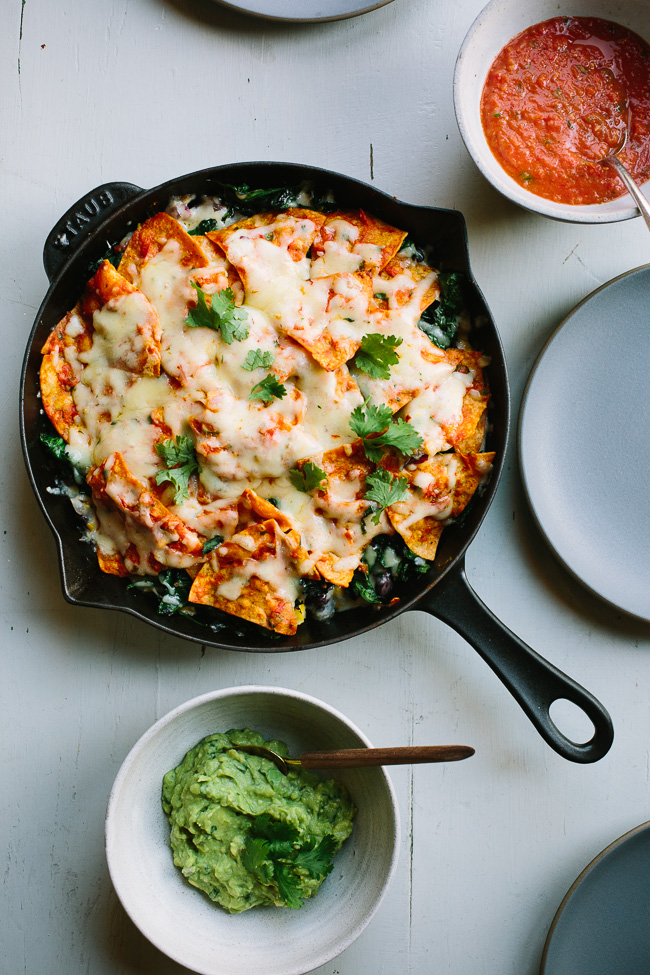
[633, 189]
[408, 755]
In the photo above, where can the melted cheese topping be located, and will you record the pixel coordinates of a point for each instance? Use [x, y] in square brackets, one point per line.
[204, 392]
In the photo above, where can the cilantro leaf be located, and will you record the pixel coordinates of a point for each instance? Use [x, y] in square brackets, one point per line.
[268, 390]
[178, 451]
[201, 316]
[368, 419]
[288, 886]
[274, 852]
[222, 315]
[180, 458]
[233, 321]
[307, 479]
[317, 861]
[279, 835]
[257, 359]
[385, 489]
[400, 435]
[179, 478]
[256, 858]
[377, 354]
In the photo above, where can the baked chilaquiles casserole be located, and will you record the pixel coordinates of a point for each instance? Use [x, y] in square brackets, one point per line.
[271, 411]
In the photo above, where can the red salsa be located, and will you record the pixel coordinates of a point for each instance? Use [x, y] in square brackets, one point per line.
[562, 95]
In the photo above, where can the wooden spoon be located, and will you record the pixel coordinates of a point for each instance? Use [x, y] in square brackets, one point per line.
[362, 757]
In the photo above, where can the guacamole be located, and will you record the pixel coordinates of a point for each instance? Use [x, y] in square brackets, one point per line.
[245, 833]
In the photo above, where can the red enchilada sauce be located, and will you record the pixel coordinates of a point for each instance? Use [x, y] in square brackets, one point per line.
[559, 97]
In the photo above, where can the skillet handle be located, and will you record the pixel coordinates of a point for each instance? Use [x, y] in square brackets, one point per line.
[533, 681]
[81, 219]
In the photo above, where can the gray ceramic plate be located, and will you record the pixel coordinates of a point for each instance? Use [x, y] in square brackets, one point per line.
[602, 926]
[304, 10]
[583, 442]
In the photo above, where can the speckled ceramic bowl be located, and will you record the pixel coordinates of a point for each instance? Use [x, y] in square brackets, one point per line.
[179, 919]
[498, 23]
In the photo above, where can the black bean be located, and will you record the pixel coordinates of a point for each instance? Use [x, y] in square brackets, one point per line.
[383, 583]
[319, 600]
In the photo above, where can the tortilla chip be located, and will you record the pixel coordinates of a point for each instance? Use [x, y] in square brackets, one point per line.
[420, 365]
[403, 281]
[345, 319]
[111, 563]
[105, 285]
[471, 471]
[341, 502]
[208, 248]
[67, 340]
[158, 420]
[265, 422]
[345, 463]
[343, 496]
[255, 598]
[422, 537]
[139, 348]
[394, 392]
[327, 316]
[338, 571]
[328, 352]
[352, 240]
[150, 238]
[467, 435]
[62, 365]
[346, 384]
[169, 538]
[252, 502]
[446, 482]
[219, 273]
[57, 382]
[292, 230]
[471, 432]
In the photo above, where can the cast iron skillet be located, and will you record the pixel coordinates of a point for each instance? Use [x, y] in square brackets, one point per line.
[81, 237]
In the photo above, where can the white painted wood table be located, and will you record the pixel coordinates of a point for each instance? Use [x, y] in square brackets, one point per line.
[143, 90]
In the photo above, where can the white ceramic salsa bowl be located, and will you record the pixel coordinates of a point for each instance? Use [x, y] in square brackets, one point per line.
[498, 23]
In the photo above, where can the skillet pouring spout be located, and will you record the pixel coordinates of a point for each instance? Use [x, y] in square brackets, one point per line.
[533, 681]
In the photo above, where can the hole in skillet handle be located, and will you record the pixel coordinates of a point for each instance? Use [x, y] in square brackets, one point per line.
[80, 220]
[533, 682]
[571, 721]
